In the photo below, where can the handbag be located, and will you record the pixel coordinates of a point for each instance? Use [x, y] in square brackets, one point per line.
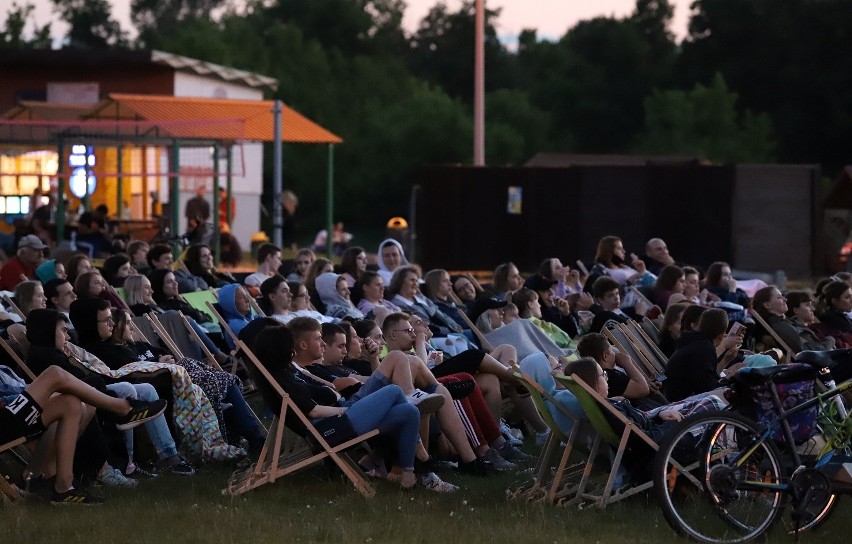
[335, 429]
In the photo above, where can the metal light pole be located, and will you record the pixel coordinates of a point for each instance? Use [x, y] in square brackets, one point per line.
[277, 180]
[479, 86]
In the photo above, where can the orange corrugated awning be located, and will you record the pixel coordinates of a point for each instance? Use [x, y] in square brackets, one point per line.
[256, 116]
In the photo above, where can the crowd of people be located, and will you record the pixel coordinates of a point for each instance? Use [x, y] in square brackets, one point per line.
[427, 359]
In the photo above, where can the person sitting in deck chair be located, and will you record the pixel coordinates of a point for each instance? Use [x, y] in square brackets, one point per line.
[59, 401]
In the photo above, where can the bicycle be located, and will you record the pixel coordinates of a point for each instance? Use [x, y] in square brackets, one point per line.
[721, 477]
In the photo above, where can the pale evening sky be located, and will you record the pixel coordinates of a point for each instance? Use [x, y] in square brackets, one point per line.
[550, 17]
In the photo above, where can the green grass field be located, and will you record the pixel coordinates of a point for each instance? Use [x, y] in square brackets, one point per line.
[311, 506]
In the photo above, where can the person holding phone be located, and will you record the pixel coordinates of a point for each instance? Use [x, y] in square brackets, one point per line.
[695, 366]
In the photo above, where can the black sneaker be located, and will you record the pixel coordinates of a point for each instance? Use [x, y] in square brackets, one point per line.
[477, 467]
[183, 468]
[139, 473]
[74, 497]
[140, 412]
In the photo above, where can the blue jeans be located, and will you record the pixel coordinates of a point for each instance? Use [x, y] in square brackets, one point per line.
[214, 349]
[158, 429]
[390, 412]
[240, 419]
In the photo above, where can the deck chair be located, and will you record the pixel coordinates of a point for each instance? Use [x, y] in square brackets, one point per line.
[615, 334]
[14, 307]
[8, 492]
[177, 326]
[546, 481]
[651, 329]
[17, 357]
[643, 303]
[594, 407]
[273, 462]
[788, 351]
[199, 300]
[151, 331]
[486, 345]
[227, 330]
[645, 345]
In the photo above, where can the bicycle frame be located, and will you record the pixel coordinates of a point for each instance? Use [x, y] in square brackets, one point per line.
[782, 420]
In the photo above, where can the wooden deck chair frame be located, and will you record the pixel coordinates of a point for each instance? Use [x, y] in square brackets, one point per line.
[14, 307]
[615, 334]
[486, 345]
[17, 358]
[788, 351]
[642, 298]
[7, 491]
[633, 331]
[594, 406]
[646, 321]
[272, 465]
[113, 291]
[227, 330]
[193, 336]
[543, 484]
[164, 337]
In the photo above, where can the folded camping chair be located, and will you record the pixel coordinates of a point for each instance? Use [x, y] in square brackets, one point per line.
[788, 351]
[616, 335]
[594, 406]
[273, 462]
[543, 485]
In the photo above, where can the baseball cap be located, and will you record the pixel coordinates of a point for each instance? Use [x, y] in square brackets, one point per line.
[31, 240]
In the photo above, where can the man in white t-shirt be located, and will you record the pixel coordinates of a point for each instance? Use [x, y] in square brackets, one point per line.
[268, 261]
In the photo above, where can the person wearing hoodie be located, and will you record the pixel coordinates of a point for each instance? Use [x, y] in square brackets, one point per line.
[236, 309]
[540, 367]
[50, 269]
[695, 366]
[48, 339]
[334, 293]
[93, 321]
[110, 340]
[391, 256]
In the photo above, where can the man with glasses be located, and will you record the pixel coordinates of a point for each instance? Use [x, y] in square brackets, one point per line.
[22, 266]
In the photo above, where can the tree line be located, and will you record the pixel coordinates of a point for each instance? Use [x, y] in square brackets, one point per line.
[754, 81]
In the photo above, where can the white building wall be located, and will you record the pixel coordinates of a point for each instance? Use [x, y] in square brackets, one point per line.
[247, 183]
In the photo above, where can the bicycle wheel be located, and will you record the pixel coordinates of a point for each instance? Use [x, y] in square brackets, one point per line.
[715, 481]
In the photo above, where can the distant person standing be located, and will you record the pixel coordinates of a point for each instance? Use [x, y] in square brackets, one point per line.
[289, 203]
[197, 208]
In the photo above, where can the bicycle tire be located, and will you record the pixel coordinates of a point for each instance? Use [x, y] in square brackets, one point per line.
[703, 495]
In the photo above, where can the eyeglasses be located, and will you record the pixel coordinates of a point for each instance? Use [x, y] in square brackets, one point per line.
[300, 296]
[108, 321]
[409, 330]
[605, 376]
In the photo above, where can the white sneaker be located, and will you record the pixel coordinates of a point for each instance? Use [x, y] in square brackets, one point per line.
[511, 435]
[541, 438]
[427, 403]
[112, 477]
[433, 482]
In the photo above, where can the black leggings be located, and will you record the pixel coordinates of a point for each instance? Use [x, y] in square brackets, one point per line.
[467, 361]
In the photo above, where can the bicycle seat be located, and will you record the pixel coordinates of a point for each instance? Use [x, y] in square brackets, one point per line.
[791, 372]
[822, 359]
